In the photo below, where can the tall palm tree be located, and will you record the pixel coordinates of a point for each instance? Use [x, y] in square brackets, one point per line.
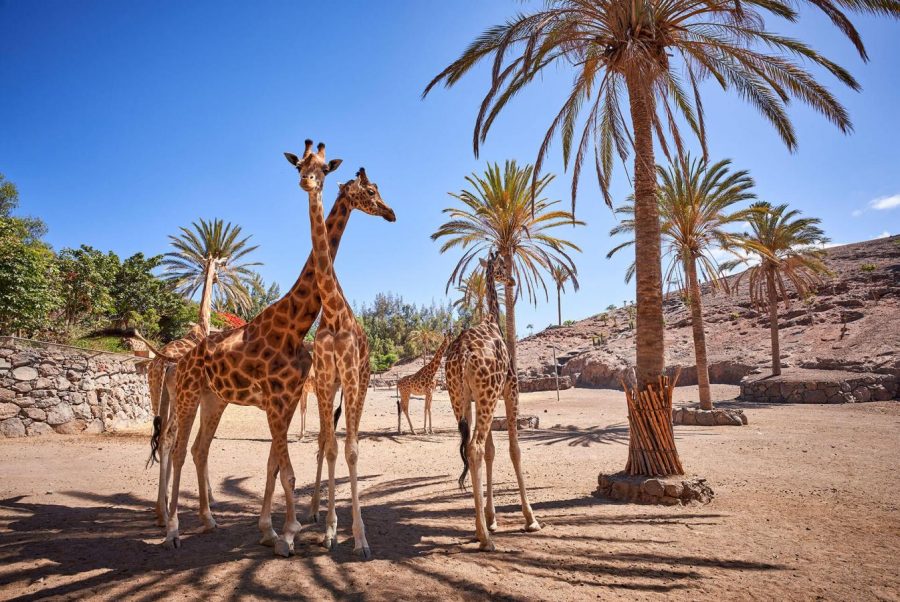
[499, 213]
[561, 274]
[473, 288]
[210, 258]
[695, 207]
[652, 56]
[425, 338]
[784, 246]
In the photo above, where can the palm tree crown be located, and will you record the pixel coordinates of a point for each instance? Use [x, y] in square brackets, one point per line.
[210, 256]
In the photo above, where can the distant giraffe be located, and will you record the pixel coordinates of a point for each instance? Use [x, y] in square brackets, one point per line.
[478, 370]
[341, 348]
[420, 383]
[308, 387]
[264, 364]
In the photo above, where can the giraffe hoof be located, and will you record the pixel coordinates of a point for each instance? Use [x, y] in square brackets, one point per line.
[283, 548]
[172, 543]
[209, 525]
[268, 540]
[492, 526]
[364, 552]
[534, 526]
[486, 546]
[328, 543]
[161, 521]
[313, 518]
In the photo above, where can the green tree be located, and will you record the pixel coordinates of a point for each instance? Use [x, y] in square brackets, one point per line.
[28, 280]
[210, 258]
[86, 279]
[561, 274]
[260, 297]
[498, 213]
[696, 203]
[783, 244]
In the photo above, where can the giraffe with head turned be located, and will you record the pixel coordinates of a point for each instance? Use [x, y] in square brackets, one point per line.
[422, 382]
[263, 364]
[341, 348]
[478, 370]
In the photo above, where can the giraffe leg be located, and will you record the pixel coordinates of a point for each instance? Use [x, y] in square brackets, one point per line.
[328, 444]
[355, 400]
[490, 513]
[325, 423]
[182, 427]
[484, 411]
[269, 536]
[278, 426]
[511, 397]
[304, 398]
[404, 403]
[211, 410]
[427, 426]
[165, 462]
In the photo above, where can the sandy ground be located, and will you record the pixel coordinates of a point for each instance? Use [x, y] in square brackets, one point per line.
[806, 508]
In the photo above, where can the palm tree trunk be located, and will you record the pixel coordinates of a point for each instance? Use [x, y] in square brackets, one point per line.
[648, 438]
[690, 272]
[647, 251]
[559, 304]
[206, 297]
[510, 293]
[773, 321]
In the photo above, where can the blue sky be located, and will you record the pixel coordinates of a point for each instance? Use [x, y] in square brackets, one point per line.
[120, 121]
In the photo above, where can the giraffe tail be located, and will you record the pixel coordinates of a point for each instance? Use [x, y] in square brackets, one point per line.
[337, 412]
[397, 390]
[154, 441]
[464, 442]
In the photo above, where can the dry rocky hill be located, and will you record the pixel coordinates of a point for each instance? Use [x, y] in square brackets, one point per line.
[851, 323]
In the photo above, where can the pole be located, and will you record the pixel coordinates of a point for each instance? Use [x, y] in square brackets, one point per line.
[556, 372]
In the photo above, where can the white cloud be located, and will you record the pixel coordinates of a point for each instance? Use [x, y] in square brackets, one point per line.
[884, 203]
[884, 234]
[857, 212]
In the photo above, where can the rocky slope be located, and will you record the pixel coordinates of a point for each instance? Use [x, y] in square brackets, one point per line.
[851, 323]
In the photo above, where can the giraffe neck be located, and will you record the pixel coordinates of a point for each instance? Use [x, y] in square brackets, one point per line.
[432, 366]
[493, 302]
[322, 259]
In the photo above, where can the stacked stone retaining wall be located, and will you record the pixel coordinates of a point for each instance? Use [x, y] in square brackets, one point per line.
[48, 388]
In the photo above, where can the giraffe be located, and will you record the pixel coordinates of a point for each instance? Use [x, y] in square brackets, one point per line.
[263, 364]
[420, 383]
[340, 349]
[160, 372]
[309, 386]
[478, 370]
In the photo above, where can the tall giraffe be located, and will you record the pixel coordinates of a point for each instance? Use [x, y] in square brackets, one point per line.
[478, 370]
[341, 348]
[264, 364]
[420, 383]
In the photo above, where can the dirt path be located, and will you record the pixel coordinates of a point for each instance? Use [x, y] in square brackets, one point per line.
[806, 508]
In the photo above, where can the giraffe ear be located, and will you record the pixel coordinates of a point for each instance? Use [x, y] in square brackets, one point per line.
[333, 165]
[292, 159]
[482, 262]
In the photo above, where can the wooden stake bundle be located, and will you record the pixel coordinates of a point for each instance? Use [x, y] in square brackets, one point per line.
[651, 449]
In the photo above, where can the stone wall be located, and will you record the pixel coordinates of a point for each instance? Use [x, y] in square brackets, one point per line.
[50, 388]
[819, 386]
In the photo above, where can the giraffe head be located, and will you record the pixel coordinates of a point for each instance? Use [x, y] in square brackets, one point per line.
[363, 195]
[312, 166]
[495, 269]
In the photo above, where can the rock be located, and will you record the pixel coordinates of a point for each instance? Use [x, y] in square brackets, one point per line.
[815, 396]
[674, 490]
[653, 487]
[60, 414]
[862, 394]
[36, 414]
[12, 427]
[4, 363]
[63, 384]
[24, 373]
[706, 418]
[522, 422]
[8, 410]
[72, 427]
[722, 418]
[880, 393]
[94, 427]
[36, 429]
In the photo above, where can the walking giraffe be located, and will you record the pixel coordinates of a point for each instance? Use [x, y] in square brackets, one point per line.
[422, 382]
[478, 370]
[264, 364]
[341, 348]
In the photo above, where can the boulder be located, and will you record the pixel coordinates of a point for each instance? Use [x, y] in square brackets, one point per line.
[12, 427]
[24, 373]
[60, 414]
[36, 429]
[8, 410]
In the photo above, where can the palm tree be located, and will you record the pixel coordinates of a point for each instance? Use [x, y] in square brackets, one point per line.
[473, 289]
[561, 274]
[499, 213]
[783, 244]
[426, 339]
[653, 56]
[209, 258]
[695, 201]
